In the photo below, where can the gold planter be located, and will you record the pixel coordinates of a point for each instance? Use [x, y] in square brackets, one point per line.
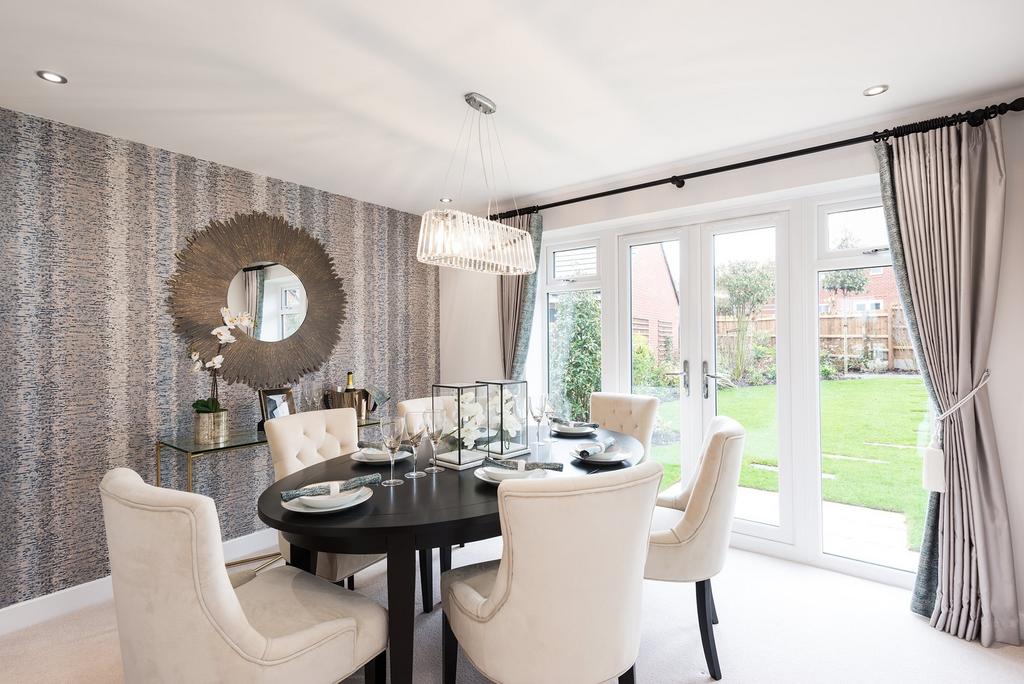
[211, 427]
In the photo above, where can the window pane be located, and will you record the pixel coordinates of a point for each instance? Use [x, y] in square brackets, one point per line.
[575, 263]
[857, 229]
[745, 340]
[873, 418]
[574, 351]
[654, 312]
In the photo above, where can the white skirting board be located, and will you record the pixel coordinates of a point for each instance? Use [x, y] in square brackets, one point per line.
[43, 608]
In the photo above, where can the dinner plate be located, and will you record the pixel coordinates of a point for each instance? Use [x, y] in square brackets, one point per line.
[534, 474]
[362, 494]
[568, 431]
[378, 456]
[496, 473]
[610, 455]
[328, 500]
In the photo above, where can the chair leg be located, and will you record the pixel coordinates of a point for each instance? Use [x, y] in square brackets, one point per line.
[351, 582]
[427, 579]
[707, 634]
[450, 652]
[711, 600]
[629, 676]
[376, 671]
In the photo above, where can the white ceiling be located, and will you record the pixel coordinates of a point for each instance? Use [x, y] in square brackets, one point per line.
[364, 98]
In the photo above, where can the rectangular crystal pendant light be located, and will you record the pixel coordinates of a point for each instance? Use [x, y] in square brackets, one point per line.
[455, 239]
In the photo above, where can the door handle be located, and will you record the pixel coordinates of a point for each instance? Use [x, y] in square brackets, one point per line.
[707, 376]
[685, 375]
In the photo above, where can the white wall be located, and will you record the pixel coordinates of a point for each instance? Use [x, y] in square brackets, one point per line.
[469, 337]
[470, 342]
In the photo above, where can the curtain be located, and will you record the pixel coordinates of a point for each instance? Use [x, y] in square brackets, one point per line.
[254, 284]
[517, 296]
[944, 194]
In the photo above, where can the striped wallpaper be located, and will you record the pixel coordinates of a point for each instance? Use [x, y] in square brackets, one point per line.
[92, 371]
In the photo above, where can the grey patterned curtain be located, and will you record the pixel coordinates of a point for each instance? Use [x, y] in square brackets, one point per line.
[944, 192]
[516, 298]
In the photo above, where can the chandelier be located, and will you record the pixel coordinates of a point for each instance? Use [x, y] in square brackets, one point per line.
[457, 239]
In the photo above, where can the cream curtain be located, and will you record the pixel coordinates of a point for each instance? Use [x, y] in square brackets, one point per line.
[254, 283]
[945, 194]
[516, 298]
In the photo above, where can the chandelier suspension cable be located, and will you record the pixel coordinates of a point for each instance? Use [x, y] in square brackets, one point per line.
[504, 161]
[451, 160]
[465, 160]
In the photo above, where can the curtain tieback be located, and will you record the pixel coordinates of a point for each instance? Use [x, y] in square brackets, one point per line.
[934, 476]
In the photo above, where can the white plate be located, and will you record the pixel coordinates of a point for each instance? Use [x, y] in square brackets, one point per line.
[362, 494]
[610, 455]
[534, 474]
[578, 431]
[327, 500]
[497, 474]
[378, 456]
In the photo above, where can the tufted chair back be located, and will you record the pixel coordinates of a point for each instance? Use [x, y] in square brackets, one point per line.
[632, 414]
[304, 439]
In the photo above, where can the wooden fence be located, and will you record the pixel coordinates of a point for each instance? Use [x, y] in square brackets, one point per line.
[844, 337]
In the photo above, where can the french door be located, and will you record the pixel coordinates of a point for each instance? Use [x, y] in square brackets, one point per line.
[704, 326]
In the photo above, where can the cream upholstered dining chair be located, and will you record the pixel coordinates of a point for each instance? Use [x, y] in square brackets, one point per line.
[632, 414]
[181, 618]
[563, 603]
[690, 533]
[304, 439]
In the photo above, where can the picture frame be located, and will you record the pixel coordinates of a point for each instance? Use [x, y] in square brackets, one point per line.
[276, 402]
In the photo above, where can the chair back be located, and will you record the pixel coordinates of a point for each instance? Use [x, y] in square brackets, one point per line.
[632, 414]
[304, 439]
[176, 609]
[710, 501]
[570, 579]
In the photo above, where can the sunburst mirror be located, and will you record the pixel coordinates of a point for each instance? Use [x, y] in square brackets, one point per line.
[282, 276]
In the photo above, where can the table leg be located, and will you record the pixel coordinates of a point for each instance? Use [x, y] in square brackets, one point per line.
[446, 559]
[401, 608]
[188, 472]
[303, 559]
[427, 579]
[158, 464]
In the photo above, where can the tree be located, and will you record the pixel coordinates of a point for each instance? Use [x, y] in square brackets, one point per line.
[743, 287]
[575, 352]
[845, 282]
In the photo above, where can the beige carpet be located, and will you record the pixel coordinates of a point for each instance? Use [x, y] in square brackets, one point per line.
[780, 622]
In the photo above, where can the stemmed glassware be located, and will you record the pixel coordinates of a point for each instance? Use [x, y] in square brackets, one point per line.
[391, 430]
[433, 422]
[415, 427]
[538, 405]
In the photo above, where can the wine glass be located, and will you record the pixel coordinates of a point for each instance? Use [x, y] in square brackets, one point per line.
[538, 409]
[415, 428]
[433, 422]
[391, 430]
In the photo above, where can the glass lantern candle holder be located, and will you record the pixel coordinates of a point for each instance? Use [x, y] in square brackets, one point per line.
[465, 424]
[507, 432]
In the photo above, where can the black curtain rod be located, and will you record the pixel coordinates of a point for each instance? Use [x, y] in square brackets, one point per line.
[974, 118]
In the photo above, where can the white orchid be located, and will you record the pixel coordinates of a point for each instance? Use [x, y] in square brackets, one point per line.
[195, 356]
[215, 362]
[197, 366]
[469, 434]
[223, 334]
[230, 319]
[245, 320]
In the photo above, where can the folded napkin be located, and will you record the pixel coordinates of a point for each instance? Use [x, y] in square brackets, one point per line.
[320, 490]
[603, 445]
[514, 464]
[573, 423]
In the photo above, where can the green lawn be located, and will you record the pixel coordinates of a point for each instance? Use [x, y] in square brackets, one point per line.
[872, 418]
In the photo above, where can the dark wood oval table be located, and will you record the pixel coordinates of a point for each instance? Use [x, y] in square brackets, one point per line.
[438, 511]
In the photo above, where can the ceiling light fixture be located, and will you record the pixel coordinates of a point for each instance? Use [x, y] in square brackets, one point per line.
[52, 77]
[458, 239]
[875, 90]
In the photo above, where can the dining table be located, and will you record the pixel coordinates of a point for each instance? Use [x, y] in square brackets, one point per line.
[440, 511]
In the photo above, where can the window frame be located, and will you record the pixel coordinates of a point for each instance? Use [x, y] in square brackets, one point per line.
[874, 255]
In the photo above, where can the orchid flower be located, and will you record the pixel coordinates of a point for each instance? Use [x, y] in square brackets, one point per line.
[215, 362]
[223, 334]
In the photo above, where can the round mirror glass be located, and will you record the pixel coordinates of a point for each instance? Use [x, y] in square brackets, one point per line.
[273, 297]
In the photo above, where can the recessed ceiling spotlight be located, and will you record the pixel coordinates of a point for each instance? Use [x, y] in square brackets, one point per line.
[446, 200]
[875, 90]
[52, 77]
